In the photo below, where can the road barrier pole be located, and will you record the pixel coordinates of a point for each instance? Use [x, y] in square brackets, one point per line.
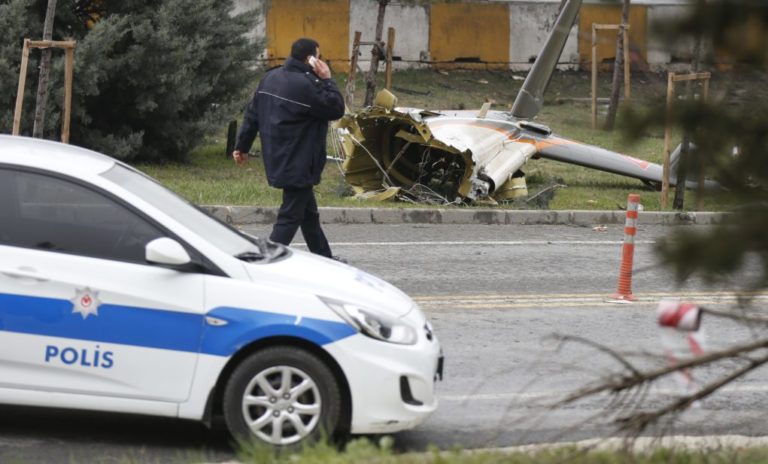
[682, 336]
[624, 292]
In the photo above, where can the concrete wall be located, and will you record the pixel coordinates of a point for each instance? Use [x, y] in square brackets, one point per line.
[411, 25]
[606, 39]
[326, 21]
[529, 25]
[418, 36]
[660, 52]
[461, 33]
[258, 9]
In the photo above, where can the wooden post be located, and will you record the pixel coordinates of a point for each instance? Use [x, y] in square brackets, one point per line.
[69, 58]
[69, 63]
[349, 94]
[388, 69]
[604, 27]
[20, 91]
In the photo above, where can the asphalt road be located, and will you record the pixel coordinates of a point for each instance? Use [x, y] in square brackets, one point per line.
[497, 296]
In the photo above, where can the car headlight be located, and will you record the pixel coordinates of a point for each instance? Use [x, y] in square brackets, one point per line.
[372, 323]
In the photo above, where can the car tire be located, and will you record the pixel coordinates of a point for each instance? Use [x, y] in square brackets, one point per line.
[282, 395]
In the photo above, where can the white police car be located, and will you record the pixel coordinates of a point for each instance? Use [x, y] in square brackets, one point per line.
[117, 295]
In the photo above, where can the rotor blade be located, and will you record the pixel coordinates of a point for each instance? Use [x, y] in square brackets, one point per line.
[531, 96]
[581, 154]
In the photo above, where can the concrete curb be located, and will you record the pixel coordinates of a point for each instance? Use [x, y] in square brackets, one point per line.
[638, 446]
[643, 444]
[246, 215]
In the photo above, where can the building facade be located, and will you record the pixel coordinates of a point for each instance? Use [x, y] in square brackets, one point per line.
[467, 34]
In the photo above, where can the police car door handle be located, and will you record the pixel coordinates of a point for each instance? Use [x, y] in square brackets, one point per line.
[24, 273]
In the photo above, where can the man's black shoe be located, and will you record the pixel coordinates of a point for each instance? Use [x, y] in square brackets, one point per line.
[339, 259]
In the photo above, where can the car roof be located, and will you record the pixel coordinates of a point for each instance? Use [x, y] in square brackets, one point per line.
[53, 156]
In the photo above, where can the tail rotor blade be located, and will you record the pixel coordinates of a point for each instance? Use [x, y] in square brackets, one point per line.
[531, 96]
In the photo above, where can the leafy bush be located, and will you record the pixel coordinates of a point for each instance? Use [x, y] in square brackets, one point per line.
[152, 78]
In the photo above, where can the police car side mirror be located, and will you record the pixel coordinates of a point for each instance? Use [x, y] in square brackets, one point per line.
[166, 251]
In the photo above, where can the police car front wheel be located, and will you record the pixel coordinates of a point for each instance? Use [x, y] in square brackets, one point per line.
[282, 395]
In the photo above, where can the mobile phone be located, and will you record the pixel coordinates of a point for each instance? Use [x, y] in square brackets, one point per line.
[312, 61]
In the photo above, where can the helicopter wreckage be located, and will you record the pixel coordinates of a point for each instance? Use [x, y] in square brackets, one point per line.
[458, 156]
[470, 156]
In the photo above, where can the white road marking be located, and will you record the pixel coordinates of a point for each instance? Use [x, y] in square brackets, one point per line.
[484, 243]
[556, 395]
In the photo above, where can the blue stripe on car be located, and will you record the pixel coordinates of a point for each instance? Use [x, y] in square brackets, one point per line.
[160, 329]
[245, 326]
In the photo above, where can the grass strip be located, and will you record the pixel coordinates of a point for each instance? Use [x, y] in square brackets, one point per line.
[210, 177]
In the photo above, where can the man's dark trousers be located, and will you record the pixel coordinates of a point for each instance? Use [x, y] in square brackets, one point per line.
[299, 209]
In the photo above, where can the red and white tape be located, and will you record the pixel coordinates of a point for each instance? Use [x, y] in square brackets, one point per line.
[679, 315]
[681, 334]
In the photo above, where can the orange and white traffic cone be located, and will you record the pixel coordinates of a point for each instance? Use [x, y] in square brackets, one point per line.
[624, 292]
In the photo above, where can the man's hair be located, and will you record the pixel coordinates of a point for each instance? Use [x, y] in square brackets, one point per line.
[304, 47]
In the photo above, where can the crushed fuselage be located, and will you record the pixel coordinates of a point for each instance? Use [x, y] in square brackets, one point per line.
[454, 156]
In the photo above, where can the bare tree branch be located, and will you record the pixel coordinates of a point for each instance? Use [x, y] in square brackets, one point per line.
[618, 382]
[736, 317]
[640, 421]
[610, 352]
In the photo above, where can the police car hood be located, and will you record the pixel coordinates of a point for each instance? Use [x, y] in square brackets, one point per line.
[323, 277]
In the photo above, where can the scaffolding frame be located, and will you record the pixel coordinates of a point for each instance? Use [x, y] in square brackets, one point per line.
[69, 50]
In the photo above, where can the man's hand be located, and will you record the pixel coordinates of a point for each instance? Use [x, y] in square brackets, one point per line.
[240, 157]
[321, 69]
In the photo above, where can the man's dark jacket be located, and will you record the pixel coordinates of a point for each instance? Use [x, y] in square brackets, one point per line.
[291, 109]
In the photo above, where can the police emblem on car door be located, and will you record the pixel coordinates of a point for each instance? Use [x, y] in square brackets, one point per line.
[80, 309]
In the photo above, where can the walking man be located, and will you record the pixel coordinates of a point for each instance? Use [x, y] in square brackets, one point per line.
[291, 110]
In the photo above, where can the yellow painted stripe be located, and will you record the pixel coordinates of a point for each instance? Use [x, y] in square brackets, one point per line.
[672, 294]
[496, 301]
[562, 304]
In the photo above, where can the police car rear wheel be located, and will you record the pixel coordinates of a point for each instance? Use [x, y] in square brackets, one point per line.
[282, 395]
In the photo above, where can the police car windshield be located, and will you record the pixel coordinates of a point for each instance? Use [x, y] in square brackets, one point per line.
[218, 234]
